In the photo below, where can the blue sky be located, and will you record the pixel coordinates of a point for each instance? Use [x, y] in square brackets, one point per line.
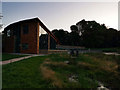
[61, 15]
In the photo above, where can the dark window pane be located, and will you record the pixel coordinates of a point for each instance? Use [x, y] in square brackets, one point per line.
[24, 46]
[25, 29]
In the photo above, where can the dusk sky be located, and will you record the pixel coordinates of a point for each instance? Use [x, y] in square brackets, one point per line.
[61, 15]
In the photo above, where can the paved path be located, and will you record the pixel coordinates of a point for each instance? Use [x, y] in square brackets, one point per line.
[21, 58]
[112, 53]
[13, 60]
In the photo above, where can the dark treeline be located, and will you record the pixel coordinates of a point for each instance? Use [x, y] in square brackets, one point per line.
[89, 34]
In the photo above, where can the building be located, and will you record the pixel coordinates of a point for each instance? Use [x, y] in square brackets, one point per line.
[28, 36]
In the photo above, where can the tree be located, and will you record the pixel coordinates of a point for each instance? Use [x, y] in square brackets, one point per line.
[62, 36]
[74, 36]
[95, 35]
[74, 39]
[74, 28]
[89, 34]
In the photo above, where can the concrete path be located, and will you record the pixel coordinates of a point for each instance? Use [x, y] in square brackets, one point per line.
[14, 60]
[112, 53]
[28, 54]
[18, 59]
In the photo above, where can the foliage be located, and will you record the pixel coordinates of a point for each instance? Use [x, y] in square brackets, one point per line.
[74, 28]
[89, 34]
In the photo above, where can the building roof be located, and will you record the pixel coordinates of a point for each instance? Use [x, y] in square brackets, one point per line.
[34, 20]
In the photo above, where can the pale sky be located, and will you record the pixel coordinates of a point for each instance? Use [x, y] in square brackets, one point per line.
[61, 15]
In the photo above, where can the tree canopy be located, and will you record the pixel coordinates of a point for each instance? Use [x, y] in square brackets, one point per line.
[89, 34]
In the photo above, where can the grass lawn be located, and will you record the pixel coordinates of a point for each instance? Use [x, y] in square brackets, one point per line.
[52, 72]
[107, 49]
[6, 56]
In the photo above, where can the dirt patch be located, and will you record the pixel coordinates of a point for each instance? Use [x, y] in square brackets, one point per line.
[47, 59]
[106, 65]
[109, 66]
[48, 62]
[58, 64]
[84, 64]
[49, 74]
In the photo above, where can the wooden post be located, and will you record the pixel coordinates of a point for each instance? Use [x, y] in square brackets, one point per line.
[48, 41]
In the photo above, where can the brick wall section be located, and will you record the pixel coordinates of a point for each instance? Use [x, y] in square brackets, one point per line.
[9, 44]
[30, 38]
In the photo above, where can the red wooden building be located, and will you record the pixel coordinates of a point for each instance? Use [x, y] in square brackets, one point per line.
[24, 37]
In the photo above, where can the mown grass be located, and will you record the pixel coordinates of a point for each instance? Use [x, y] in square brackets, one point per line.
[52, 72]
[111, 50]
[107, 49]
[23, 74]
[6, 56]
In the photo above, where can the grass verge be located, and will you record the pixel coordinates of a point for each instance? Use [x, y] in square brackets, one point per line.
[52, 72]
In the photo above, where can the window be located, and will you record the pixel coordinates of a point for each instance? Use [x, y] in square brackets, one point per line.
[25, 29]
[25, 46]
[8, 33]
